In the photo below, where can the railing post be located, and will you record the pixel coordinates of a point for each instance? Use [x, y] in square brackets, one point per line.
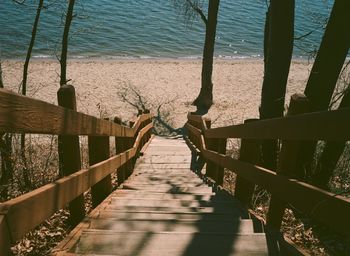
[5, 237]
[289, 163]
[250, 153]
[69, 153]
[149, 133]
[218, 145]
[120, 146]
[210, 169]
[130, 142]
[99, 151]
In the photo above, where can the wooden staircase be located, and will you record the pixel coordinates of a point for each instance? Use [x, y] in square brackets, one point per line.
[164, 208]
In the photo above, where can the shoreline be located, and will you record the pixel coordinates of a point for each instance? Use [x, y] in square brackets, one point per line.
[151, 59]
[170, 83]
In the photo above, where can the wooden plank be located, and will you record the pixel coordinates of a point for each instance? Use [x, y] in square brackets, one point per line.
[162, 166]
[137, 123]
[180, 199]
[99, 151]
[170, 189]
[290, 163]
[169, 215]
[20, 114]
[327, 125]
[69, 154]
[5, 238]
[249, 152]
[136, 194]
[154, 182]
[234, 226]
[315, 202]
[223, 210]
[163, 159]
[55, 196]
[174, 243]
[172, 203]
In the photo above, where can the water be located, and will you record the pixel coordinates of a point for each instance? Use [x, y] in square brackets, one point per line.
[150, 28]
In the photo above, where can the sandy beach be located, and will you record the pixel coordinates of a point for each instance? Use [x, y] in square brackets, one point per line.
[171, 82]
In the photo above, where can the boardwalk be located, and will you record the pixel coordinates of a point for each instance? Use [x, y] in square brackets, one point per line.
[166, 209]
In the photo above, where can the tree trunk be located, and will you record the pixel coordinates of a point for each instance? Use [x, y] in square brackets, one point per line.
[205, 98]
[6, 163]
[1, 81]
[331, 153]
[30, 48]
[327, 67]
[6, 166]
[330, 57]
[24, 81]
[278, 53]
[63, 60]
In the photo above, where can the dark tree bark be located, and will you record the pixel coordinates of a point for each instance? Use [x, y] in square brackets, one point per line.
[30, 48]
[24, 82]
[330, 57]
[6, 163]
[6, 153]
[331, 153]
[327, 67]
[63, 60]
[1, 81]
[205, 98]
[278, 46]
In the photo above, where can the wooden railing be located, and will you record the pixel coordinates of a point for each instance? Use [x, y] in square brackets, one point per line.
[19, 114]
[210, 144]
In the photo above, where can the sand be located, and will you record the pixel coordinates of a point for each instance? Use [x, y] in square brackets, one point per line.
[170, 82]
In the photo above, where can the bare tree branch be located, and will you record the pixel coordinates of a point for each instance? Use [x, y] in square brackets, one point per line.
[190, 9]
[197, 9]
[64, 52]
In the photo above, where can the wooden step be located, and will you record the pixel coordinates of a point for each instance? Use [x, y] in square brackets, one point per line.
[124, 214]
[170, 243]
[164, 208]
[167, 173]
[164, 152]
[163, 166]
[172, 203]
[146, 182]
[234, 226]
[170, 189]
[162, 178]
[135, 208]
[131, 185]
[137, 194]
[165, 159]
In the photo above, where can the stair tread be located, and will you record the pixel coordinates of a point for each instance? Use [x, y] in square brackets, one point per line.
[166, 215]
[170, 243]
[233, 226]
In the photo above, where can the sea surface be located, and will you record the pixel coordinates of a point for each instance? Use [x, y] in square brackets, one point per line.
[151, 29]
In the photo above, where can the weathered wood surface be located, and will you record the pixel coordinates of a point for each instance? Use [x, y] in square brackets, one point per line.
[20, 114]
[170, 243]
[57, 194]
[328, 125]
[166, 210]
[316, 203]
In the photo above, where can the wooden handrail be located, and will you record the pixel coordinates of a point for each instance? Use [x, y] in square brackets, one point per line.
[312, 201]
[326, 125]
[14, 213]
[21, 114]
